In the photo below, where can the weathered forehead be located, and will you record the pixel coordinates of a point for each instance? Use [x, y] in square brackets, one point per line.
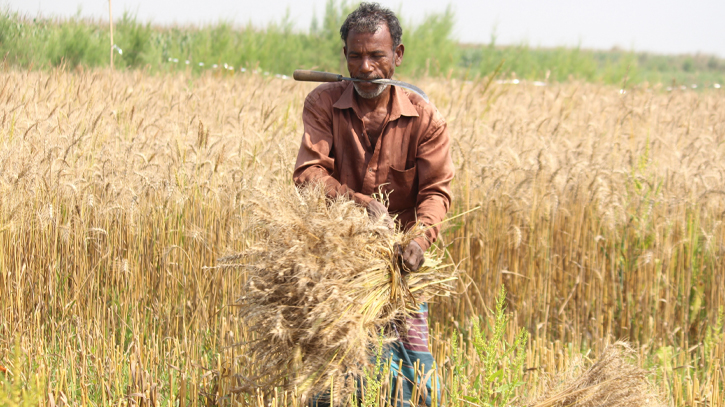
[380, 38]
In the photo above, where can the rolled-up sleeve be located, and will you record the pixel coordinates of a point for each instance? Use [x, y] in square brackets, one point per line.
[435, 172]
[314, 163]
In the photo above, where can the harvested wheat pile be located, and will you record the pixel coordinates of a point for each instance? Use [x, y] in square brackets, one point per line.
[611, 381]
[323, 280]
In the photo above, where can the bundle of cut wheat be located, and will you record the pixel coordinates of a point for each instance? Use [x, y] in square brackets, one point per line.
[611, 381]
[323, 280]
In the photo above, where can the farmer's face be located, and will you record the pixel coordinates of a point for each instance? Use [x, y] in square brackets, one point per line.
[371, 56]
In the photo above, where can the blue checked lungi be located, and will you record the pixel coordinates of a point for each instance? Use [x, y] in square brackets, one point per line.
[403, 355]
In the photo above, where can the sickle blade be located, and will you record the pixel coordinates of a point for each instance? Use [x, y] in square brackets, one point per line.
[405, 85]
[393, 82]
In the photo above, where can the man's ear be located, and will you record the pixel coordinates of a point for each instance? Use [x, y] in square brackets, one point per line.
[344, 51]
[399, 51]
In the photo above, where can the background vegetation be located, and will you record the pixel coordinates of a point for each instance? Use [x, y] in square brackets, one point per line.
[279, 49]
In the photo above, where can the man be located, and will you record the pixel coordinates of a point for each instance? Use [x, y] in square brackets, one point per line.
[361, 138]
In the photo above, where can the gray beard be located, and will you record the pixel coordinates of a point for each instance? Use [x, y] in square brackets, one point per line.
[372, 94]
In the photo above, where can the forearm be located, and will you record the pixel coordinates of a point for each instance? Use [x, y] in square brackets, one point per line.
[314, 161]
[435, 173]
[430, 213]
[333, 187]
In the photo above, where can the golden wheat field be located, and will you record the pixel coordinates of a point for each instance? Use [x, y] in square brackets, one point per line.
[599, 209]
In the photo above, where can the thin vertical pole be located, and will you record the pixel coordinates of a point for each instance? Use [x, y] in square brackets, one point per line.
[110, 23]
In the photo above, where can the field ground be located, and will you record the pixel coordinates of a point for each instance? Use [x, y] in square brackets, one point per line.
[600, 210]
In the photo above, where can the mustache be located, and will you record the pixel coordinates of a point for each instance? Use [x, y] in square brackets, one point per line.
[368, 78]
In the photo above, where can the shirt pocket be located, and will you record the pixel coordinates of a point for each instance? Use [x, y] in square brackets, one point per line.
[402, 187]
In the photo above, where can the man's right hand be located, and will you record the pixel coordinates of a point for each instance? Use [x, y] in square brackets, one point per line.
[377, 211]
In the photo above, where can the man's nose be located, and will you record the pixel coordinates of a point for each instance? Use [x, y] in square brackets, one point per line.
[366, 65]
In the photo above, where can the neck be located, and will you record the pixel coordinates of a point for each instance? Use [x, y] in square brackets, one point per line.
[368, 105]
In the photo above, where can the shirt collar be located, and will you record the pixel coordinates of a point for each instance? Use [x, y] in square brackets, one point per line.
[401, 103]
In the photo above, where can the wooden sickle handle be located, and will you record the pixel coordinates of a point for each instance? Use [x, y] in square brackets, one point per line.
[315, 76]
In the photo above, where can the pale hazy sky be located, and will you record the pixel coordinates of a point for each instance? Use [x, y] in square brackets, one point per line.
[663, 26]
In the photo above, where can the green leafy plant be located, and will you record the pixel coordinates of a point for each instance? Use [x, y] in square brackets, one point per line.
[503, 363]
[17, 389]
[374, 377]
[715, 333]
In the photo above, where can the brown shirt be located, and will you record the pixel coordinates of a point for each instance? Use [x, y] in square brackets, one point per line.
[410, 161]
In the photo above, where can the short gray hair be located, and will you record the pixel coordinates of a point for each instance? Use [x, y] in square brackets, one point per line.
[367, 18]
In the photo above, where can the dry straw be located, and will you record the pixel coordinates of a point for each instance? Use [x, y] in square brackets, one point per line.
[611, 381]
[323, 282]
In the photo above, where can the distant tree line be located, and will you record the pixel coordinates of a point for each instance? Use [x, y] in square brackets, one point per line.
[278, 48]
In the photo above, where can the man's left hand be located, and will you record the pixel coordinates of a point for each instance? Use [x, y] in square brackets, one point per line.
[413, 256]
